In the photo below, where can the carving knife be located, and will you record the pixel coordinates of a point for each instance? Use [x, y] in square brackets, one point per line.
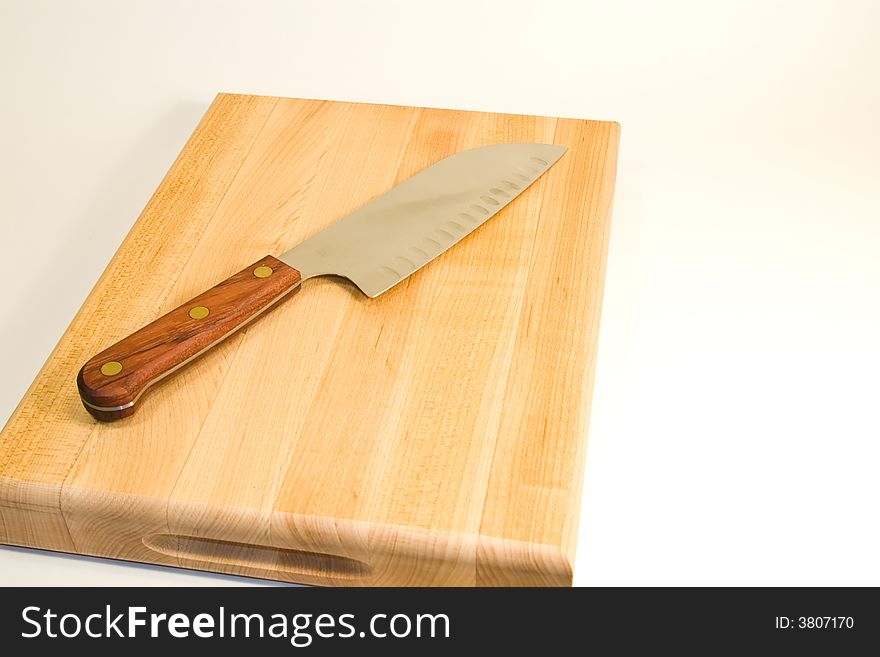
[375, 247]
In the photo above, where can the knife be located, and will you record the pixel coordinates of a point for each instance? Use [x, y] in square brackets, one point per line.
[375, 247]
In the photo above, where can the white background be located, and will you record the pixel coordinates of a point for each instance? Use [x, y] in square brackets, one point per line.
[736, 426]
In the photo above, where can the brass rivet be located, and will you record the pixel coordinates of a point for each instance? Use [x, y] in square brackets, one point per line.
[111, 368]
[199, 312]
[263, 271]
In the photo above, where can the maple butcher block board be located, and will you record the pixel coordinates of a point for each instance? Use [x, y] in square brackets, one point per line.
[434, 435]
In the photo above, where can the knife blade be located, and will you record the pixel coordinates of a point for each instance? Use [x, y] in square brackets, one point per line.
[375, 247]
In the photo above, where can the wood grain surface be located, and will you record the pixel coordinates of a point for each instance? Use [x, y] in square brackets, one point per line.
[162, 346]
[434, 435]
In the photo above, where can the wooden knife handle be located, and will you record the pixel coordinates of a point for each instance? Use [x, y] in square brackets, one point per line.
[111, 383]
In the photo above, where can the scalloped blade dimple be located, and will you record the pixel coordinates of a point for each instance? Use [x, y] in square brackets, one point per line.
[386, 240]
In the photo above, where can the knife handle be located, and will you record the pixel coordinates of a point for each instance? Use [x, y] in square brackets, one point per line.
[111, 383]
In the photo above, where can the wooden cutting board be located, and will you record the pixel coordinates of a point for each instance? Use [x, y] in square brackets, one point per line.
[434, 435]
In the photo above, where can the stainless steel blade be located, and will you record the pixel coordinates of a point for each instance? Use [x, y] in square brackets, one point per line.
[386, 240]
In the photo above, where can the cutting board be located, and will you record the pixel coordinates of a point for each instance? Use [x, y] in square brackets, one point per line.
[435, 435]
